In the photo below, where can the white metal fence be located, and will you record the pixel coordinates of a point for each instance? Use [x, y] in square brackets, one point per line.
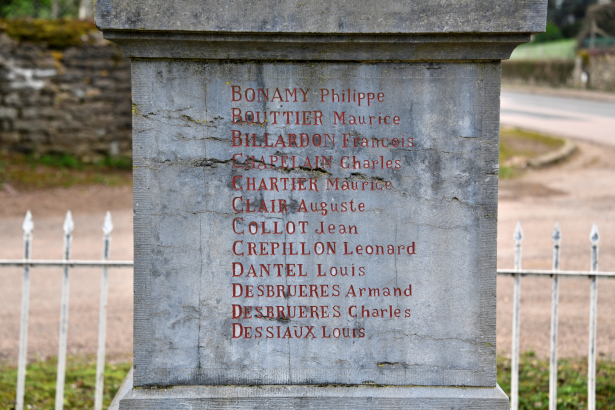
[27, 262]
[556, 274]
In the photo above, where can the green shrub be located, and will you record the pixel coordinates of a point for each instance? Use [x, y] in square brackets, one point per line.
[552, 32]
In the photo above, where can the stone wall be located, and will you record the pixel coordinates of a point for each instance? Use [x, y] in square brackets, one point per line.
[594, 70]
[73, 99]
[601, 71]
[554, 73]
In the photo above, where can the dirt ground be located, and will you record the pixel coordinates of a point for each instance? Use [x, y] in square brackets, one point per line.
[576, 194]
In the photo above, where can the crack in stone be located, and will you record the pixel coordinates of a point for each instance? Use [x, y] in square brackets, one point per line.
[206, 211]
[200, 289]
[184, 138]
[434, 199]
[393, 364]
[211, 162]
[397, 333]
[437, 150]
[163, 115]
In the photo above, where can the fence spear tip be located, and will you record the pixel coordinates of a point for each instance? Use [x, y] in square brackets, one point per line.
[518, 232]
[594, 236]
[28, 224]
[69, 225]
[557, 234]
[107, 225]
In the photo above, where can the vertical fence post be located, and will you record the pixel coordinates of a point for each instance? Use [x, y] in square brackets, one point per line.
[68, 231]
[516, 320]
[594, 237]
[102, 316]
[27, 226]
[557, 239]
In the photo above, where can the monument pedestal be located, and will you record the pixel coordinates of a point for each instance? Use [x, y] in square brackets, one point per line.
[309, 397]
[315, 194]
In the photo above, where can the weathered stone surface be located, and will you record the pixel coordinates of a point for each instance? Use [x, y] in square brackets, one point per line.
[442, 201]
[311, 397]
[353, 30]
[324, 17]
[8, 112]
[315, 200]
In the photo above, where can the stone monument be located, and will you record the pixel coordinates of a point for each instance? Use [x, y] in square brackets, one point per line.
[315, 198]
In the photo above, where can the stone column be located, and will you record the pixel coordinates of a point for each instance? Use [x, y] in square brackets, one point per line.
[315, 189]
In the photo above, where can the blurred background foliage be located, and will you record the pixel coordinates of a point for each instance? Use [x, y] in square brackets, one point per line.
[578, 19]
[565, 19]
[577, 50]
[47, 9]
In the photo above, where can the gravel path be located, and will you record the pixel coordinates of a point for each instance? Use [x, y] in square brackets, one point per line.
[575, 194]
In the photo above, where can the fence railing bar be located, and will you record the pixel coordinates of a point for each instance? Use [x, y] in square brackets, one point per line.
[102, 316]
[514, 399]
[61, 378]
[557, 238]
[594, 237]
[20, 263]
[27, 226]
[561, 273]
[64, 263]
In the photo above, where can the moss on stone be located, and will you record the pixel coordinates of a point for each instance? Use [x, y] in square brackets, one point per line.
[57, 34]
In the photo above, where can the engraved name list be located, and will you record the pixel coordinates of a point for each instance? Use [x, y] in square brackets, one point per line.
[323, 143]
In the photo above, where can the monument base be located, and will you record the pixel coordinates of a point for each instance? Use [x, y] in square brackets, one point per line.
[309, 397]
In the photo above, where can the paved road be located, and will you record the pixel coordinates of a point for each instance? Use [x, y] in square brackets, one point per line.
[572, 117]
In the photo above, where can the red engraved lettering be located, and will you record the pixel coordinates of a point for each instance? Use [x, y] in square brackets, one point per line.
[236, 93]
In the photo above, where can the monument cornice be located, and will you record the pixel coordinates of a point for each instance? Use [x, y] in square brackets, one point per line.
[324, 47]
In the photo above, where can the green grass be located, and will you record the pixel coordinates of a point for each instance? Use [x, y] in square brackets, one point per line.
[516, 143]
[572, 382]
[62, 170]
[533, 383]
[507, 172]
[68, 161]
[57, 161]
[552, 50]
[79, 387]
